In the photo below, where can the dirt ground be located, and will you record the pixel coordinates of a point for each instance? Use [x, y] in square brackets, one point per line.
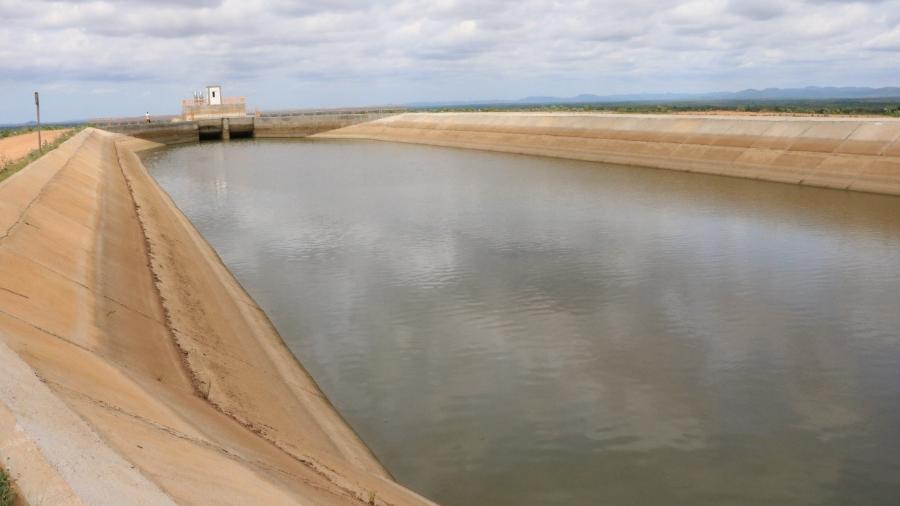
[15, 147]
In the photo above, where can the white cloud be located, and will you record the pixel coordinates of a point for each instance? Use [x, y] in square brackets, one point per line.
[329, 52]
[889, 41]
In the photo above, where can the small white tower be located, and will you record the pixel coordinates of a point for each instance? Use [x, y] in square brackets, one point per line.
[214, 95]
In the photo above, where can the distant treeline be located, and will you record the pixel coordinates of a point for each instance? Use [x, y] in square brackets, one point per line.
[880, 107]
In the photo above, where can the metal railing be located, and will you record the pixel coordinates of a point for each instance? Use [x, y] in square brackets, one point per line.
[163, 120]
[201, 101]
[232, 106]
[166, 119]
[335, 111]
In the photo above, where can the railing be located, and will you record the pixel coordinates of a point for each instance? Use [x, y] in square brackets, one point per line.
[162, 119]
[336, 111]
[193, 102]
[230, 106]
[166, 119]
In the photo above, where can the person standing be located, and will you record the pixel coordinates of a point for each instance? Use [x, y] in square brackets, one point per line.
[147, 116]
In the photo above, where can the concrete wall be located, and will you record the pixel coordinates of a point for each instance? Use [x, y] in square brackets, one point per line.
[847, 153]
[302, 125]
[193, 112]
[299, 124]
[163, 133]
[136, 370]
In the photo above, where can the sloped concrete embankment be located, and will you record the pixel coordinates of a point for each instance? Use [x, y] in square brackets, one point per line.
[847, 153]
[303, 125]
[136, 369]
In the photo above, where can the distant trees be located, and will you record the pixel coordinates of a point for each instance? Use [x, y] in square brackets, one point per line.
[876, 107]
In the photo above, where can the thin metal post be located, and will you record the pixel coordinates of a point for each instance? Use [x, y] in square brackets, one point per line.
[37, 105]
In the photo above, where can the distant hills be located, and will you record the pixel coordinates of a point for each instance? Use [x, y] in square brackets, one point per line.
[865, 96]
[807, 93]
[18, 125]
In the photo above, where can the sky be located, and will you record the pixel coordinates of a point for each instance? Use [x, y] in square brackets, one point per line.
[124, 57]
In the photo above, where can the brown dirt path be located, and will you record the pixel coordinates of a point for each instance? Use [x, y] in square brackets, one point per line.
[17, 146]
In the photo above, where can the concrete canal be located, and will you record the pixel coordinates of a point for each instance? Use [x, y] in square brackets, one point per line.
[505, 329]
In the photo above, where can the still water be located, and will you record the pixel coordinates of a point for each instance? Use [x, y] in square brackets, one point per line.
[511, 330]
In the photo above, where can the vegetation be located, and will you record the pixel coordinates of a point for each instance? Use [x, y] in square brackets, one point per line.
[866, 107]
[11, 131]
[10, 167]
[7, 494]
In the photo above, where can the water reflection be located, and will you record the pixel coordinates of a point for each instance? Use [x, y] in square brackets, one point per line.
[514, 330]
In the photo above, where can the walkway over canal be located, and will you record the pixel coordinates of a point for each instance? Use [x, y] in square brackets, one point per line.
[294, 123]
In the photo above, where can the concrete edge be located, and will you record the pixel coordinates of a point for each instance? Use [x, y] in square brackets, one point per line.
[53, 455]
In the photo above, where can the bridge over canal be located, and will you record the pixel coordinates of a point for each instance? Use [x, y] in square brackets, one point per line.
[279, 124]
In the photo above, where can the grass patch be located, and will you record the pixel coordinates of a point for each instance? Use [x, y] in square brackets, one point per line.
[7, 494]
[10, 167]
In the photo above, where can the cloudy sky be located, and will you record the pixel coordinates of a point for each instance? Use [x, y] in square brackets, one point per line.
[123, 57]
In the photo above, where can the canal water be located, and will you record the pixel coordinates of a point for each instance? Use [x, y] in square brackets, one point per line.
[508, 330]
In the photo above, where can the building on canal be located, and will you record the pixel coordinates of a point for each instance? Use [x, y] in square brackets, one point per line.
[212, 105]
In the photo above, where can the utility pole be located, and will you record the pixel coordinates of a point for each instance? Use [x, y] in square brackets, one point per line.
[37, 105]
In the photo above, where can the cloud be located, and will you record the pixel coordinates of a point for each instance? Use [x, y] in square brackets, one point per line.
[889, 41]
[760, 10]
[444, 49]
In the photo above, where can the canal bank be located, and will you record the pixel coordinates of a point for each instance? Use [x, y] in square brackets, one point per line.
[504, 329]
[151, 376]
[139, 350]
[860, 154]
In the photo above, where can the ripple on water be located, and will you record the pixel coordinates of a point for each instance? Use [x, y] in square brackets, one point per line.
[513, 330]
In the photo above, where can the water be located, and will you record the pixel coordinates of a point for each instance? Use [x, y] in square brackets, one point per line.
[512, 330]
